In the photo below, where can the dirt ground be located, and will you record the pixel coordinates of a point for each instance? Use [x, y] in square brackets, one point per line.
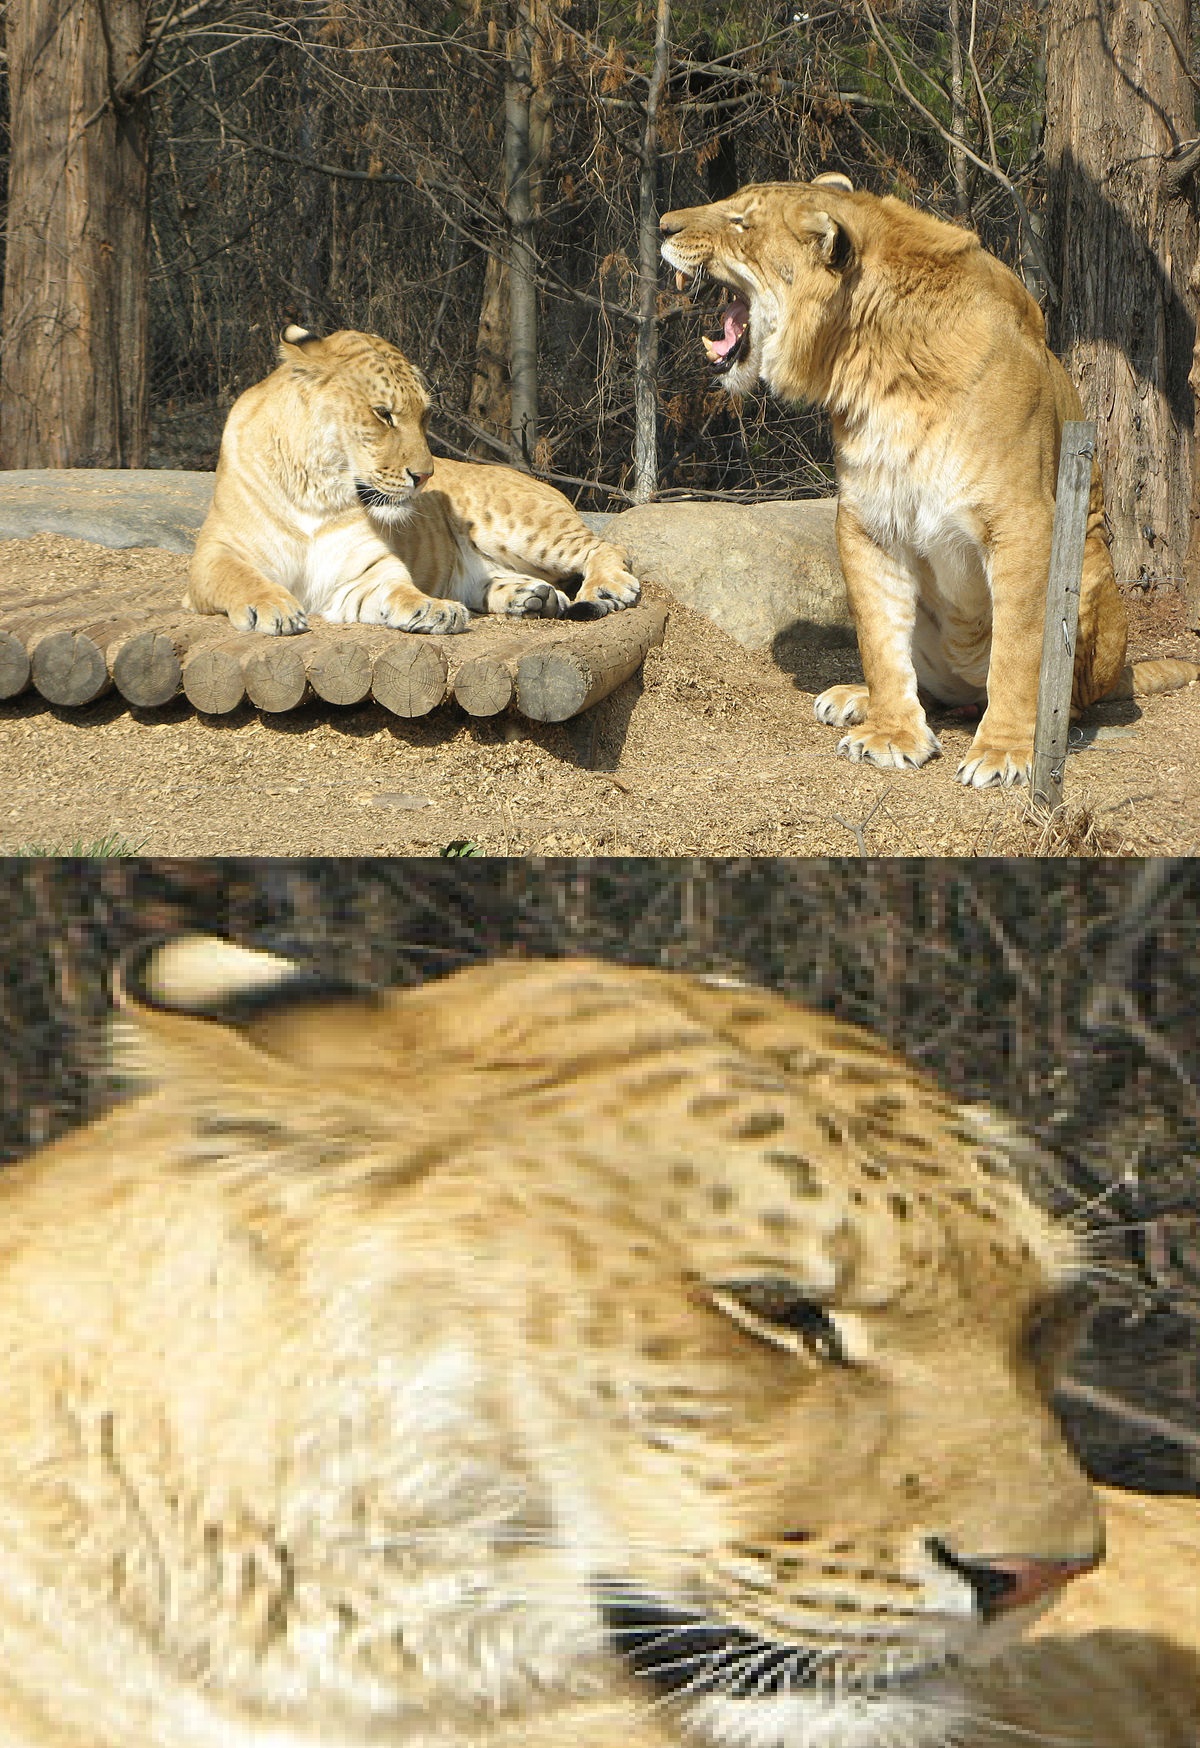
[713, 752]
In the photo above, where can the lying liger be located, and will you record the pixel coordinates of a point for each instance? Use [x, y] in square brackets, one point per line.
[323, 504]
[555, 1356]
[947, 415]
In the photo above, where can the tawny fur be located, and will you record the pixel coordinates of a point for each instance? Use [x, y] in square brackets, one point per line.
[344, 1365]
[322, 505]
[947, 412]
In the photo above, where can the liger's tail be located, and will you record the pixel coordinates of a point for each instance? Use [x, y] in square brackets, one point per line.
[1166, 674]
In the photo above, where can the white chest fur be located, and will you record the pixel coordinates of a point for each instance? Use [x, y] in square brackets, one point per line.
[912, 494]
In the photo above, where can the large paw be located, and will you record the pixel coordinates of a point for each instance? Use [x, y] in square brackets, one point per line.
[594, 601]
[425, 614]
[985, 765]
[527, 598]
[275, 612]
[891, 748]
[841, 706]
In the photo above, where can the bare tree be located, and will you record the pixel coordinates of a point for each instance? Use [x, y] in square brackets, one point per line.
[645, 386]
[75, 312]
[522, 258]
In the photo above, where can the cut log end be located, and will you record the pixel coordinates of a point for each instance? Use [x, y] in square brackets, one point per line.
[340, 672]
[212, 680]
[146, 670]
[484, 686]
[409, 679]
[563, 678]
[69, 668]
[14, 666]
[274, 675]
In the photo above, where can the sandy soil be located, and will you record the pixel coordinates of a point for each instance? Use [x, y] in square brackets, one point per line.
[714, 752]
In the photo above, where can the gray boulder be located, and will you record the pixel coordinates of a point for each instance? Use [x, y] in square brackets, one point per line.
[768, 574]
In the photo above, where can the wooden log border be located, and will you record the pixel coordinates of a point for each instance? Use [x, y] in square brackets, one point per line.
[74, 650]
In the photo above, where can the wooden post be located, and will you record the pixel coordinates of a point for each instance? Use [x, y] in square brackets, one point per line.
[1062, 610]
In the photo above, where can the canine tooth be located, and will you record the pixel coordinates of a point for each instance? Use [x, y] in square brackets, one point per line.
[681, 280]
[710, 346]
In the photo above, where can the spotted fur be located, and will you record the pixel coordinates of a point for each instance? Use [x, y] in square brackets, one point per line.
[555, 1354]
[327, 500]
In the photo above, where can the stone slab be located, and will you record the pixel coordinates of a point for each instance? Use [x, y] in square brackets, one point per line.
[113, 506]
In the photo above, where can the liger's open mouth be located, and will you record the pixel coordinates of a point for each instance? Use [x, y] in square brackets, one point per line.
[734, 317]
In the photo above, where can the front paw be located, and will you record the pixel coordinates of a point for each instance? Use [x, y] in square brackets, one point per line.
[987, 765]
[841, 706]
[527, 598]
[890, 748]
[427, 615]
[275, 613]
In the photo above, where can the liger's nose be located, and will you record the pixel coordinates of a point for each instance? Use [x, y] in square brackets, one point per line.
[418, 479]
[1000, 1586]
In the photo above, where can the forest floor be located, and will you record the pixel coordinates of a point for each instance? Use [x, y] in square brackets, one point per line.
[713, 752]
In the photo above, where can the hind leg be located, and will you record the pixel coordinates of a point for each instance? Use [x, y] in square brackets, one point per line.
[608, 585]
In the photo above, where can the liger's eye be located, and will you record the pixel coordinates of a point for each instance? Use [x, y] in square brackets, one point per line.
[777, 1311]
[385, 414]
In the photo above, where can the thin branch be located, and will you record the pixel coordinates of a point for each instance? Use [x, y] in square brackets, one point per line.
[1157, 1425]
[1032, 240]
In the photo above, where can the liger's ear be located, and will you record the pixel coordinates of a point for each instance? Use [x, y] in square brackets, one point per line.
[220, 1031]
[833, 237]
[210, 978]
[297, 345]
[198, 999]
[834, 179]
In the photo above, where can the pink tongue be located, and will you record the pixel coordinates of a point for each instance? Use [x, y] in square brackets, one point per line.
[736, 316]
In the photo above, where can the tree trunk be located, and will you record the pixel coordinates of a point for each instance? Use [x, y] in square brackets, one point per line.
[645, 370]
[958, 116]
[1193, 554]
[75, 311]
[522, 263]
[1121, 248]
[488, 406]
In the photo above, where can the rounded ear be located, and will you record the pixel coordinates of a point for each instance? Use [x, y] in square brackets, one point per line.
[198, 999]
[297, 343]
[232, 1038]
[834, 179]
[835, 244]
[211, 978]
